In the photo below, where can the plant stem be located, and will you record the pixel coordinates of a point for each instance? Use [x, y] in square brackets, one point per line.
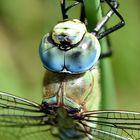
[94, 14]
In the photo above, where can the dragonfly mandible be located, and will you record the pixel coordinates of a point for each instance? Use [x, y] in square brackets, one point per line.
[70, 105]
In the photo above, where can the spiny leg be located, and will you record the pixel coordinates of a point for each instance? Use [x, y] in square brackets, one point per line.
[109, 49]
[65, 8]
[83, 14]
[101, 24]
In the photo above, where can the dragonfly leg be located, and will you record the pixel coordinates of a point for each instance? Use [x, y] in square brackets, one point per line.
[65, 8]
[83, 13]
[104, 20]
[109, 49]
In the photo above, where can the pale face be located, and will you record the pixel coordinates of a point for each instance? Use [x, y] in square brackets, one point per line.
[70, 32]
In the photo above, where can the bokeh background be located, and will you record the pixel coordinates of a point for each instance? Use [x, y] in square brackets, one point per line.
[24, 22]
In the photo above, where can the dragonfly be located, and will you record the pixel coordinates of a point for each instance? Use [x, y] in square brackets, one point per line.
[71, 93]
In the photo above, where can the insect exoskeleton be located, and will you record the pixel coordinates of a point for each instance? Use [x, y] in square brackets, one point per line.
[69, 48]
[73, 92]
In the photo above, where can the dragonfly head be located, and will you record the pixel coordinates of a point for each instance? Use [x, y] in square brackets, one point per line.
[68, 33]
[69, 48]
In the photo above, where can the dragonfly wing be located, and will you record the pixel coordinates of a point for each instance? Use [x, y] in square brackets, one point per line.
[21, 118]
[10, 101]
[25, 133]
[113, 125]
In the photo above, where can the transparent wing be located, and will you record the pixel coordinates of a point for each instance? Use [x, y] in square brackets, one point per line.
[21, 119]
[112, 125]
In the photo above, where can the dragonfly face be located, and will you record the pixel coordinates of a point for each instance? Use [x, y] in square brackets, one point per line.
[69, 48]
[68, 33]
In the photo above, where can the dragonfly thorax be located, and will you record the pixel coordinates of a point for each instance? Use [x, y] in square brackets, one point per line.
[72, 92]
[52, 104]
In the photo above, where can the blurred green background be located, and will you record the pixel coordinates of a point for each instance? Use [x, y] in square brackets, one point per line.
[23, 24]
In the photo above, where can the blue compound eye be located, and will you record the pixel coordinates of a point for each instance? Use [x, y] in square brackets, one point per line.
[51, 57]
[84, 56]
